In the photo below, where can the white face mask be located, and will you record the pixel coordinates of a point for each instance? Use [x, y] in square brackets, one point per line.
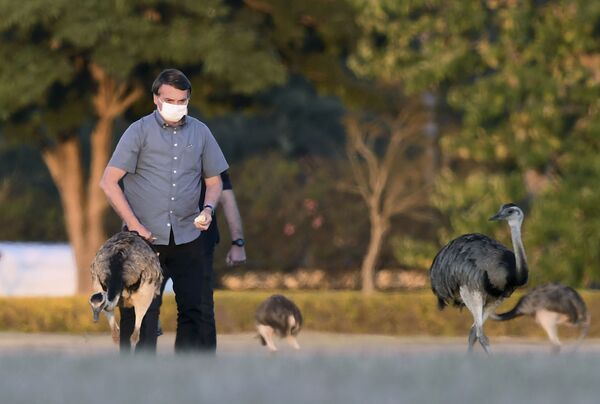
[173, 112]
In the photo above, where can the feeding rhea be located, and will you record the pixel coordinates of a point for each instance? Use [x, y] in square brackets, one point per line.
[551, 305]
[478, 272]
[278, 315]
[126, 271]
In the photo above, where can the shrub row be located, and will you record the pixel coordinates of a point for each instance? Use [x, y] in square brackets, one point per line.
[406, 314]
[319, 279]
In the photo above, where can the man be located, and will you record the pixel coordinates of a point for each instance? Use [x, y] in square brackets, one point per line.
[162, 159]
[211, 237]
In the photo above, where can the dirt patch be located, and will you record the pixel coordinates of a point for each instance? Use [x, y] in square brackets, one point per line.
[311, 342]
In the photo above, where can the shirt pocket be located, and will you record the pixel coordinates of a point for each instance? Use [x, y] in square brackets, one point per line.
[192, 158]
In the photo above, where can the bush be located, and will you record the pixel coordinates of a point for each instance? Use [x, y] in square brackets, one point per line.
[406, 314]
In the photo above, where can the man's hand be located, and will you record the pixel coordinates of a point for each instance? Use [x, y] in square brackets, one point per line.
[236, 256]
[203, 220]
[142, 231]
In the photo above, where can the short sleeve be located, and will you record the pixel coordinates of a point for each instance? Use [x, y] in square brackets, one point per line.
[213, 160]
[226, 180]
[127, 151]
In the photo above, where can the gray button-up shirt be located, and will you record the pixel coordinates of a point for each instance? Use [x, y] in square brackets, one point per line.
[164, 165]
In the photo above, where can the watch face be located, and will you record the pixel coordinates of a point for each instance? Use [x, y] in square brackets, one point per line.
[239, 242]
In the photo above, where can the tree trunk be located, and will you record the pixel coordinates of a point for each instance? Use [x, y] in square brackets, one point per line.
[101, 140]
[367, 271]
[64, 164]
[388, 182]
[84, 211]
[84, 205]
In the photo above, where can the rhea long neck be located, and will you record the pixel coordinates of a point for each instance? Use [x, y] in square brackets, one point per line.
[519, 250]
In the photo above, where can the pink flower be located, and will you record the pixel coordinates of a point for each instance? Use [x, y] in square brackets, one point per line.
[289, 229]
[317, 222]
[310, 205]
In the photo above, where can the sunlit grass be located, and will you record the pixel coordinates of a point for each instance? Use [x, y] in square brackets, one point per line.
[396, 313]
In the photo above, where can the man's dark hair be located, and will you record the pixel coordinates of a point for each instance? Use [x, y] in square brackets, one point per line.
[174, 78]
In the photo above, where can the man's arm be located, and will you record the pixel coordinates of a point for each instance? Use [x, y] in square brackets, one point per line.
[214, 187]
[110, 185]
[236, 254]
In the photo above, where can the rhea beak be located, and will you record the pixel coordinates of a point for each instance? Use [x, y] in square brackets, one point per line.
[499, 216]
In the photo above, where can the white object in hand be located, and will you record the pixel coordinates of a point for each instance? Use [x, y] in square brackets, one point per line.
[201, 218]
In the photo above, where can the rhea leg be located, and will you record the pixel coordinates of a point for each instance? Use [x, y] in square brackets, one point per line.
[141, 302]
[293, 342]
[114, 328]
[473, 332]
[548, 321]
[584, 328]
[474, 302]
[291, 338]
[267, 333]
[472, 337]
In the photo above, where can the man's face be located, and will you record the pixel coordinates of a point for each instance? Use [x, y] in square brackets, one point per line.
[170, 95]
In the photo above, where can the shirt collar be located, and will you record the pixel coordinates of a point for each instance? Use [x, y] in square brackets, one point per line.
[163, 124]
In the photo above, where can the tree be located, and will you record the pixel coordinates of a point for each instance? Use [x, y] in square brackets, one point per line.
[522, 79]
[75, 68]
[388, 163]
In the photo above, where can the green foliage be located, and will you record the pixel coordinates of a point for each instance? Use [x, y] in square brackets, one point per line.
[403, 314]
[54, 45]
[29, 76]
[517, 84]
[522, 80]
[565, 223]
[470, 200]
[521, 74]
[30, 206]
[413, 253]
[314, 37]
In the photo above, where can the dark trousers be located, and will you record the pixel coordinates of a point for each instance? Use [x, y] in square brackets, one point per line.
[190, 267]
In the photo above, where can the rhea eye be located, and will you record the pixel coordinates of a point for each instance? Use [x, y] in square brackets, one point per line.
[511, 211]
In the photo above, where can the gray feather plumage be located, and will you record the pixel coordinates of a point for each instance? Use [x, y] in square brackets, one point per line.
[478, 272]
[275, 311]
[552, 304]
[140, 263]
[551, 297]
[476, 262]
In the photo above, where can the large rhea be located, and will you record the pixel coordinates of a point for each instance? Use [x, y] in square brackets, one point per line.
[478, 272]
[125, 272]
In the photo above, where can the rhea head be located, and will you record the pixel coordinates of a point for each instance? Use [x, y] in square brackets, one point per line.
[511, 213]
[98, 302]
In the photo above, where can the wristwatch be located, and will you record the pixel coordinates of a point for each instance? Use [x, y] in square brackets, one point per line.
[239, 242]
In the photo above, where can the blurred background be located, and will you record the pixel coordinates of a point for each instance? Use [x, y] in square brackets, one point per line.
[362, 135]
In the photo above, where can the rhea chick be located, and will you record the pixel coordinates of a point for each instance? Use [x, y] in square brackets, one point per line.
[278, 315]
